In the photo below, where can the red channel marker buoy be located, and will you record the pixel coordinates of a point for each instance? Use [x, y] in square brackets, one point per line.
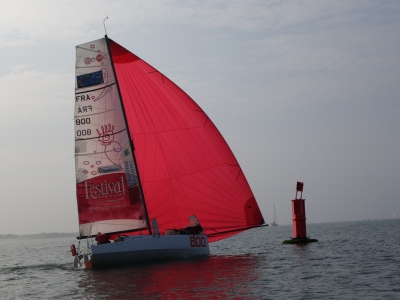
[299, 219]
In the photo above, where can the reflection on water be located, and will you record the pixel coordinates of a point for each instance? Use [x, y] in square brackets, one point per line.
[206, 278]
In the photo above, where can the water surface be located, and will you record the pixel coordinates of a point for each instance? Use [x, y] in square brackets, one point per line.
[351, 260]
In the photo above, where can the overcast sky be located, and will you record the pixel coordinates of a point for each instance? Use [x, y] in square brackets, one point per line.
[301, 90]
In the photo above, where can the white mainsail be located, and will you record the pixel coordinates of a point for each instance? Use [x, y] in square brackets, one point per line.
[106, 177]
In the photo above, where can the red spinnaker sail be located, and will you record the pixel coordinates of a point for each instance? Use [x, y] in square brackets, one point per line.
[184, 163]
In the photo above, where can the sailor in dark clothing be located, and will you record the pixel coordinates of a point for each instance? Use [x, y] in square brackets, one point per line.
[102, 238]
[194, 228]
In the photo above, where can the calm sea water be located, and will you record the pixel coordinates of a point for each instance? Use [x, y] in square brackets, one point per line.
[352, 260]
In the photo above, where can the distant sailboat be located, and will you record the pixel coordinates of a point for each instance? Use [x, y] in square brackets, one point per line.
[148, 158]
[275, 222]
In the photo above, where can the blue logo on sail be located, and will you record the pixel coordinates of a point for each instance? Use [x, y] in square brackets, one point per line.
[109, 169]
[126, 152]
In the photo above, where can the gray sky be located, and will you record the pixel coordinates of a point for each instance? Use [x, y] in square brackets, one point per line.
[301, 90]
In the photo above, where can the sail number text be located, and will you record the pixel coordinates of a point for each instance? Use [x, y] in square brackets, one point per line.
[82, 121]
[83, 132]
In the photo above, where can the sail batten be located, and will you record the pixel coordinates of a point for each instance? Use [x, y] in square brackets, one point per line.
[111, 84]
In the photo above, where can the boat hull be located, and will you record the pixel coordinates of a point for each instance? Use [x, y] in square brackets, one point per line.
[144, 249]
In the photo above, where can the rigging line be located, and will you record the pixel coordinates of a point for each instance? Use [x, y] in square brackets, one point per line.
[104, 23]
[94, 89]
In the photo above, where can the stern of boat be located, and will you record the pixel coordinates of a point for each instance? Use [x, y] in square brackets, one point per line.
[82, 259]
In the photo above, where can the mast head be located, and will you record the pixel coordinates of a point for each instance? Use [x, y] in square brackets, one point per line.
[104, 23]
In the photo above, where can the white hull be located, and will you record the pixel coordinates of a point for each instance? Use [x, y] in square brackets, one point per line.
[143, 249]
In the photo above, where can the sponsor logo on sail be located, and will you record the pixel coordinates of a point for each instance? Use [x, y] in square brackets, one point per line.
[130, 173]
[126, 152]
[109, 169]
[105, 189]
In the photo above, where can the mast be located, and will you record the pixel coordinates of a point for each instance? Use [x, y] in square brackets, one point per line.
[130, 139]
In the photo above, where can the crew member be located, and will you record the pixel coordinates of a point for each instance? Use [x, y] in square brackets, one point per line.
[194, 228]
[102, 238]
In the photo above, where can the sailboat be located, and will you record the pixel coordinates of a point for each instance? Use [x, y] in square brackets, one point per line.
[275, 222]
[147, 159]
